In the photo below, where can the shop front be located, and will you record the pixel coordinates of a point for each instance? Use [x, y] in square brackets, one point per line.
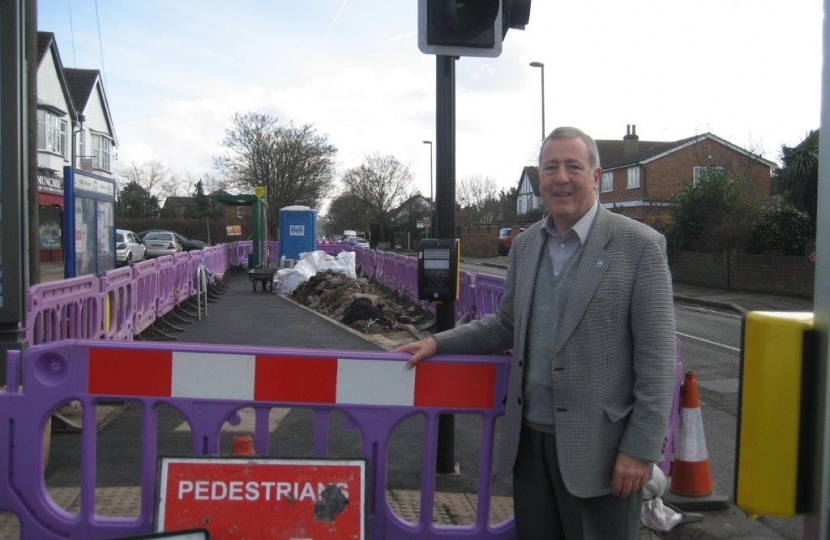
[50, 215]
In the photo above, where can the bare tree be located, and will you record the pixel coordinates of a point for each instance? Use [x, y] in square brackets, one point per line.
[346, 211]
[294, 164]
[381, 184]
[478, 197]
[154, 177]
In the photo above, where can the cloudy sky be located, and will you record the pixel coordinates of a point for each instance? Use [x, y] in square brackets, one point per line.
[176, 70]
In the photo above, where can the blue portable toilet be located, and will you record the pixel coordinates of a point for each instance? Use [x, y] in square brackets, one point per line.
[298, 231]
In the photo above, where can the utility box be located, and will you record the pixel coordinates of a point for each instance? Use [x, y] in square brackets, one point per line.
[298, 231]
[776, 414]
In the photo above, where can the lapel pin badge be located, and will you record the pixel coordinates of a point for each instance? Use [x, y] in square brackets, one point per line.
[599, 264]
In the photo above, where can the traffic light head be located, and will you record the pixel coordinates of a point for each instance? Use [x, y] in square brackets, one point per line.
[468, 27]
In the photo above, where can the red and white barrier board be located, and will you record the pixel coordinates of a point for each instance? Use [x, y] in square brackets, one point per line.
[280, 499]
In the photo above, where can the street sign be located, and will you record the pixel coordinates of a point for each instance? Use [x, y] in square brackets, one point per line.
[280, 499]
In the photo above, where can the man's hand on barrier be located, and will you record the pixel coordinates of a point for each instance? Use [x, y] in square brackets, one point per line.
[420, 350]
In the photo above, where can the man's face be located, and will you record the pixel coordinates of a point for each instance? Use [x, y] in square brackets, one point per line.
[566, 181]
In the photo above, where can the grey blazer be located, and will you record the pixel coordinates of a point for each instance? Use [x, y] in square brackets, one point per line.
[613, 363]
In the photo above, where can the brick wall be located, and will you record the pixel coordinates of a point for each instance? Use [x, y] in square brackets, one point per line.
[777, 274]
[707, 269]
[772, 274]
[480, 241]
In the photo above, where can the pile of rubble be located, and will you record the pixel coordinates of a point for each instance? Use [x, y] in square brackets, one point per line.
[363, 305]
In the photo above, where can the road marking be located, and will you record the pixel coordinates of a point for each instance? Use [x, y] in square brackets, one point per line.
[736, 349]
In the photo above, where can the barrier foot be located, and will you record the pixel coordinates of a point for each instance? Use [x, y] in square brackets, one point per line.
[175, 315]
[154, 334]
[167, 325]
[220, 285]
[62, 424]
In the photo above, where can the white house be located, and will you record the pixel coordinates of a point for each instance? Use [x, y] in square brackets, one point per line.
[74, 127]
[56, 116]
[528, 198]
[96, 135]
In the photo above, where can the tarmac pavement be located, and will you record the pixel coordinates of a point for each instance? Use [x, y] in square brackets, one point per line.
[267, 319]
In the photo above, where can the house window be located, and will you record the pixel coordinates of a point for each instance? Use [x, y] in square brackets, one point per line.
[607, 182]
[81, 147]
[101, 149]
[633, 178]
[240, 212]
[51, 133]
[699, 171]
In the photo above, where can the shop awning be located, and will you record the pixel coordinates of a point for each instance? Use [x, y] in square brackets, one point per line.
[49, 199]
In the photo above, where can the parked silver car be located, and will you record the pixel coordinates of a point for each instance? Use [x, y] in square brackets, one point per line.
[128, 248]
[161, 243]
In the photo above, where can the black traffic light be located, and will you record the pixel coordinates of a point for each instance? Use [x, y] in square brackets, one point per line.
[468, 27]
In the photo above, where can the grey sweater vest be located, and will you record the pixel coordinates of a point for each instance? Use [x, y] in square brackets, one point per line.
[550, 297]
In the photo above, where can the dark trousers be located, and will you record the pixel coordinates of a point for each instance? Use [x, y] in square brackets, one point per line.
[545, 510]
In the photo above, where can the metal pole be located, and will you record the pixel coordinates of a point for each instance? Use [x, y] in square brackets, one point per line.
[542, 66]
[445, 224]
[431, 196]
[816, 523]
[544, 133]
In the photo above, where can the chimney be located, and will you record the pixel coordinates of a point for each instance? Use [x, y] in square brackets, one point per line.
[631, 144]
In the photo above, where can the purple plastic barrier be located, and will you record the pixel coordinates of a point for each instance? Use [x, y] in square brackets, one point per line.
[66, 309]
[182, 281]
[273, 247]
[90, 372]
[410, 278]
[666, 466]
[118, 288]
[196, 260]
[400, 272]
[390, 270]
[209, 258]
[379, 270]
[243, 249]
[366, 260]
[489, 290]
[146, 276]
[165, 295]
[466, 297]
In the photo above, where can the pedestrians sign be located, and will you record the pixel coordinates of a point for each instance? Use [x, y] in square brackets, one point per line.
[281, 499]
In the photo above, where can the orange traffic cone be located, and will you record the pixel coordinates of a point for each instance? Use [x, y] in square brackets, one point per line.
[243, 445]
[690, 471]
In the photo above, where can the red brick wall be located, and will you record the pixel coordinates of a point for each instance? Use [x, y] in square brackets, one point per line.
[481, 242]
[693, 268]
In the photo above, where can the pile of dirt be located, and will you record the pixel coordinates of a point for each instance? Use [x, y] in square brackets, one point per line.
[364, 305]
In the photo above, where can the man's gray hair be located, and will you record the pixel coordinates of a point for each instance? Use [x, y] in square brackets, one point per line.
[564, 133]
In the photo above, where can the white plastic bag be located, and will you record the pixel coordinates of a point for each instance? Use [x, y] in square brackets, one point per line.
[653, 513]
[310, 264]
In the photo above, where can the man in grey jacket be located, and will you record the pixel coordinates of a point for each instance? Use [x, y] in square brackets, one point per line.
[587, 310]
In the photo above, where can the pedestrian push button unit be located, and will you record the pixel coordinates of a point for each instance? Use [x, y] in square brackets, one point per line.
[438, 269]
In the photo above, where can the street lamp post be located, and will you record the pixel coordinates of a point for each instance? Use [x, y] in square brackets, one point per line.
[431, 201]
[542, 65]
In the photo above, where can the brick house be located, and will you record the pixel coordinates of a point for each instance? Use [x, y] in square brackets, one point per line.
[640, 177]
